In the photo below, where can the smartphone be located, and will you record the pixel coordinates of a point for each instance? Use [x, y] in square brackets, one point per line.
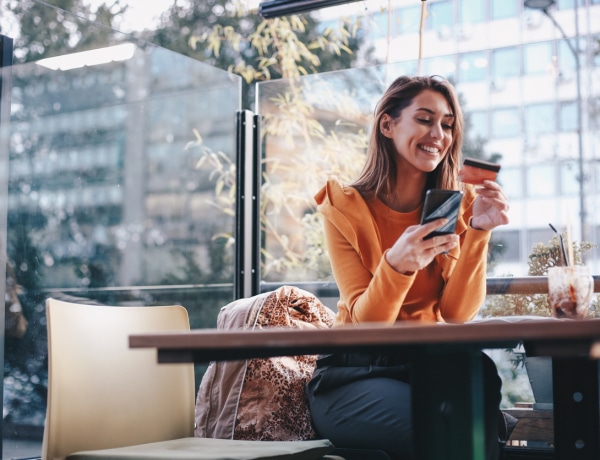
[475, 171]
[441, 203]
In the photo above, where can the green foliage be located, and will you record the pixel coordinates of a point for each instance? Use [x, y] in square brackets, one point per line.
[541, 258]
[287, 47]
[225, 34]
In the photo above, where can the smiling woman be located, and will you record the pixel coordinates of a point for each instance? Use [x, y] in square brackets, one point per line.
[388, 271]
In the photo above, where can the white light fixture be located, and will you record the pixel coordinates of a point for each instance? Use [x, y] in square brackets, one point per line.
[275, 8]
[539, 4]
[89, 58]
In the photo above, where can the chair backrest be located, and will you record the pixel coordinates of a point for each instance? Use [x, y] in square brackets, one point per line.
[101, 394]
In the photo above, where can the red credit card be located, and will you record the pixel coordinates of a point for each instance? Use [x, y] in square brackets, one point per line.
[476, 171]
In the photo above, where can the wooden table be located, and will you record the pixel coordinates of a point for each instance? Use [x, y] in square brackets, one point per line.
[447, 398]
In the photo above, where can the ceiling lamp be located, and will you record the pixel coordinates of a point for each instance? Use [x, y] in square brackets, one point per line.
[275, 8]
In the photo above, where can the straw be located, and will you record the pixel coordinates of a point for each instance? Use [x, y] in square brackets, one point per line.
[566, 259]
[570, 246]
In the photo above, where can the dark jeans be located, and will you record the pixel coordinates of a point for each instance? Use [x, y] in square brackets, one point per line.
[361, 401]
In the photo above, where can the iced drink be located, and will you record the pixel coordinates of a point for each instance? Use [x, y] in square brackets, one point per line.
[570, 291]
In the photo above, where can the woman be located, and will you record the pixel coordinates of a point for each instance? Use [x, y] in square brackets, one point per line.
[387, 271]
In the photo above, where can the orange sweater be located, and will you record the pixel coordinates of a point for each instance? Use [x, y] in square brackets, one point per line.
[358, 233]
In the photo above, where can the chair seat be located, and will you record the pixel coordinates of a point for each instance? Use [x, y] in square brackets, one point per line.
[213, 449]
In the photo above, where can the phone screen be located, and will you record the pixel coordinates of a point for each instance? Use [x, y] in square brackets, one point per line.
[441, 203]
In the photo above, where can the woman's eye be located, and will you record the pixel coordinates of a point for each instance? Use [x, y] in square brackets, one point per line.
[448, 127]
[423, 120]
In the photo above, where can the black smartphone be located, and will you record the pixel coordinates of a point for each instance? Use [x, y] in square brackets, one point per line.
[441, 203]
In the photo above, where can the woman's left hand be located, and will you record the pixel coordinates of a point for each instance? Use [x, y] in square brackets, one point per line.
[490, 208]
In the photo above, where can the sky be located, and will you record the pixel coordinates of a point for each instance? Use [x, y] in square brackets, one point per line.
[143, 14]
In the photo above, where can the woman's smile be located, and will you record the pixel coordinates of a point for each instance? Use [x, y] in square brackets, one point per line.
[423, 131]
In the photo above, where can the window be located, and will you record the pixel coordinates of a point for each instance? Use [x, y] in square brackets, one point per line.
[538, 58]
[505, 63]
[378, 25]
[569, 178]
[508, 244]
[539, 119]
[541, 181]
[471, 11]
[502, 9]
[567, 118]
[570, 4]
[444, 66]
[472, 67]
[478, 124]
[539, 235]
[511, 180]
[441, 15]
[408, 20]
[566, 58]
[506, 123]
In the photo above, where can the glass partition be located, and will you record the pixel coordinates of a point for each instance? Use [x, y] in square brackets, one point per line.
[108, 199]
[319, 124]
[525, 118]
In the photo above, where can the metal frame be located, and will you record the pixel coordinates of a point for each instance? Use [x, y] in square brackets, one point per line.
[6, 53]
[275, 8]
[246, 277]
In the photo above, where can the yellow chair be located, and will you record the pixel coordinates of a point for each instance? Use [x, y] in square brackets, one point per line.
[106, 401]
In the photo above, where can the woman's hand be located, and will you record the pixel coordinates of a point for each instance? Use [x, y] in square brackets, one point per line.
[490, 208]
[412, 252]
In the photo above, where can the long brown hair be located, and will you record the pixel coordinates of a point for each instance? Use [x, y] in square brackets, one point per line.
[380, 171]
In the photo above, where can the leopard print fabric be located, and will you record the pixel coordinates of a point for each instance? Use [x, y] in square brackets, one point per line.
[272, 404]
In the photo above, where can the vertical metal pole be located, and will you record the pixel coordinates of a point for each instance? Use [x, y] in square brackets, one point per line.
[579, 104]
[247, 227]
[582, 206]
[6, 52]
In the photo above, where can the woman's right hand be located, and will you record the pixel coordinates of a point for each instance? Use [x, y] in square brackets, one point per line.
[412, 252]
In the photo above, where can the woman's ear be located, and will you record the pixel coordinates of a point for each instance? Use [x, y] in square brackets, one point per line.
[385, 125]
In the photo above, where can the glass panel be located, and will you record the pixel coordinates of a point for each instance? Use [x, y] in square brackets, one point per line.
[568, 116]
[479, 123]
[473, 67]
[505, 63]
[441, 15]
[541, 180]
[471, 11]
[444, 66]
[539, 119]
[566, 58]
[538, 58]
[502, 9]
[565, 4]
[506, 123]
[539, 235]
[511, 179]
[570, 4]
[408, 20]
[333, 140]
[569, 178]
[107, 200]
[509, 245]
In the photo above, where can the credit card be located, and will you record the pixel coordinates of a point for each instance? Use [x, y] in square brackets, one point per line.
[476, 171]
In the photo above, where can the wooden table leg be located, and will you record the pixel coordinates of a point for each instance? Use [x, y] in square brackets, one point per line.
[576, 409]
[448, 409]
